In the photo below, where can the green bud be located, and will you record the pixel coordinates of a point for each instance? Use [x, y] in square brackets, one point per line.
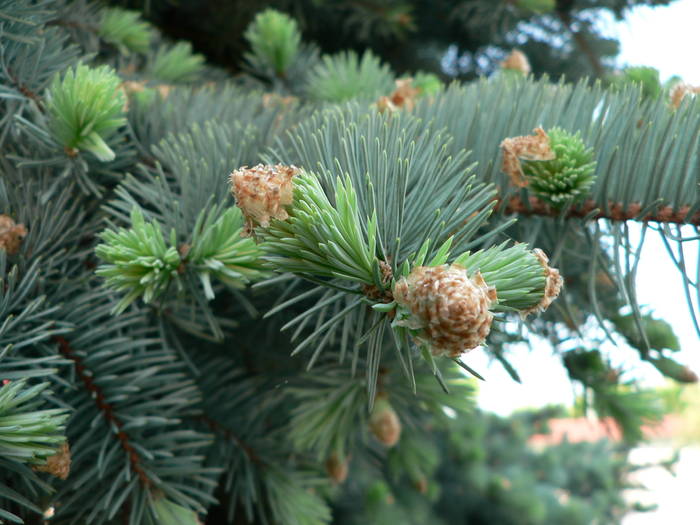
[646, 77]
[274, 40]
[379, 494]
[138, 261]
[218, 250]
[586, 366]
[85, 107]
[176, 63]
[27, 434]
[125, 29]
[345, 75]
[566, 178]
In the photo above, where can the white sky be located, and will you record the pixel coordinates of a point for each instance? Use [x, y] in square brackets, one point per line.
[667, 38]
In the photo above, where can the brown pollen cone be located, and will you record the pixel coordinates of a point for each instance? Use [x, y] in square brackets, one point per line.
[337, 467]
[552, 287]
[451, 308]
[518, 61]
[384, 423]
[679, 92]
[58, 464]
[404, 96]
[261, 193]
[11, 234]
[528, 147]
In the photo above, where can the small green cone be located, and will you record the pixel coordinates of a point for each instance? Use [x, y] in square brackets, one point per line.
[674, 370]
[568, 177]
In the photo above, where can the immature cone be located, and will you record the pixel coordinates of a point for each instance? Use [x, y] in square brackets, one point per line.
[517, 61]
[337, 467]
[526, 147]
[450, 309]
[384, 422]
[568, 177]
[58, 464]
[11, 234]
[552, 288]
[262, 192]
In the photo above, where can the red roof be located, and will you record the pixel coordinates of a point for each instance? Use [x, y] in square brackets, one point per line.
[579, 429]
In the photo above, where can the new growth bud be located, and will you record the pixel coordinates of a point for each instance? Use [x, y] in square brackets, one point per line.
[337, 467]
[449, 309]
[384, 422]
[262, 192]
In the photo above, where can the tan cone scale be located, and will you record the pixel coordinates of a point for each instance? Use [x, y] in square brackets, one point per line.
[450, 308]
[262, 191]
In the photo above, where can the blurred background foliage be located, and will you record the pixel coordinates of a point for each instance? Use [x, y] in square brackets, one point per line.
[452, 38]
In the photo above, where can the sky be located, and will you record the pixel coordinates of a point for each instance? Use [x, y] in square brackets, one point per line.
[667, 38]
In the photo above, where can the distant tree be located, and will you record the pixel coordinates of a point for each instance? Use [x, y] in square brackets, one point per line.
[461, 38]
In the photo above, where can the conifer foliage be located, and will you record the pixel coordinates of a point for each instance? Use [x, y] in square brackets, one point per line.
[251, 299]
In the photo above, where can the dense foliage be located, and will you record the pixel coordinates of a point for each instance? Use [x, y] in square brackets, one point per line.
[251, 299]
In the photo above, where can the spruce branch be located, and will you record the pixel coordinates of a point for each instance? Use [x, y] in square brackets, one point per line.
[346, 75]
[24, 89]
[322, 240]
[105, 408]
[229, 434]
[28, 435]
[217, 249]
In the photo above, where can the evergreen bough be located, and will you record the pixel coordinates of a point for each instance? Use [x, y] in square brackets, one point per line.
[170, 376]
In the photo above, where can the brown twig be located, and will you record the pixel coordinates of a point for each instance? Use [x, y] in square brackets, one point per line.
[106, 408]
[616, 211]
[22, 88]
[374, 292]
[229, 434]
[72, 24]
